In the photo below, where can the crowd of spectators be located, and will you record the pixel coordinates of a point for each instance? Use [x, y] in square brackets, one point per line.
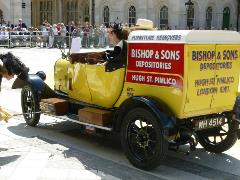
[50, 35]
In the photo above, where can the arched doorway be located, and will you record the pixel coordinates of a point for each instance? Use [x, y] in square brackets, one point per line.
[190, 17]
[72, 11]
[131, 16]
[164, 17]
[106, 16]
[46, 11]
[226, 18]
[1, 16]
[209, 17]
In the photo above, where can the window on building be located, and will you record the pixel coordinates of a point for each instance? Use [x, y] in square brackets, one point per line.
[106, 15]
[46, 10]
[1, 16]
[86, 13]
[72, 11]
[164, 17]
[190, 17]
[86, 10]
[209, 16]
[132, 16]
[226, 18]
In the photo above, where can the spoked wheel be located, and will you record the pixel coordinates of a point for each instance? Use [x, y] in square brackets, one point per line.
[219, 139]
[142, 139]
[30, 105]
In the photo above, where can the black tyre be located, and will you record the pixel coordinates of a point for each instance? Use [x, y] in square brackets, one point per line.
[142, 139]
[30, 105]
[220, 139]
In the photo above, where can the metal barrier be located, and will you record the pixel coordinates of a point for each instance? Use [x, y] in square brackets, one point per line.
[11, 39]
[4, 39]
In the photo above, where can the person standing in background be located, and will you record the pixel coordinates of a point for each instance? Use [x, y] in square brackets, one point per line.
[76, 43]
[102, 31]
[21, 24]
[50, 37]
[63, 33]
[86, 32]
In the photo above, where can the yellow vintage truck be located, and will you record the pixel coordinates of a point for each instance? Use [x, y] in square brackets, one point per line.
[172, 88]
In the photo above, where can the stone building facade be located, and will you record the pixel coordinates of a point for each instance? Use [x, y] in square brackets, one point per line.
[204, 14]
[13, 10]
[55, 11]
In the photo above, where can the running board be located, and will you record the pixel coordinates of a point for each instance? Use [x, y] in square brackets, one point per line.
[74, 118]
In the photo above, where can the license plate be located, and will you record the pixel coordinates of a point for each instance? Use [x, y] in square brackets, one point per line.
[210, 123]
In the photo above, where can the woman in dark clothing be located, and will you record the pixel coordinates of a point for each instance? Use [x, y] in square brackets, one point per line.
[118, 56]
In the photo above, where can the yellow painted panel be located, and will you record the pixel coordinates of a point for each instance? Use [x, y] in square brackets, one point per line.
[170, 96]
[105, 87]
[79, 89]
[227, 76]
[156, 70]
[213, 78]
[200, 87]
[200, 93]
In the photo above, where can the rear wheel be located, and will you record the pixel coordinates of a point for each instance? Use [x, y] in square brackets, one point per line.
[30, 105]
[143, 139]
[219, 139]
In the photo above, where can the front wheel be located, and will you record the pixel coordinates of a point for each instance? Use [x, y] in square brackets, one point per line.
[30, 105]
[142, 139]
[219, 139]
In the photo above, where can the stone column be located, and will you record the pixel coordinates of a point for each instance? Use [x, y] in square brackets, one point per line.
[34, 13]
[59, 12]
[202, 19]
[90, 11]
[97, 12]
[54, 10]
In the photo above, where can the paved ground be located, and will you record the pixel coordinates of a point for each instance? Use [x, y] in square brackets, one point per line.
[56, 149]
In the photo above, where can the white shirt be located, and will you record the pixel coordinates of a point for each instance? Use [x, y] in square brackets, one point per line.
[120, 44]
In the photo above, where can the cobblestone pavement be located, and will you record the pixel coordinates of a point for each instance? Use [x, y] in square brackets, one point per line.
[56, 149]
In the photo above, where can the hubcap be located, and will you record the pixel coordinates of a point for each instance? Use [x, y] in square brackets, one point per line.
[142, 139]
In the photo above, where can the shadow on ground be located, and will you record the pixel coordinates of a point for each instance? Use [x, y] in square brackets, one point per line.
[198, 162]
[8, 159]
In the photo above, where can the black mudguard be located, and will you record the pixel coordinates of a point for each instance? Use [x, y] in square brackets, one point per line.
[165, 116]
[40, 87]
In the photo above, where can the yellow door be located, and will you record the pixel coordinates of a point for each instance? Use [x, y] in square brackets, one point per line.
[105, 87]
[200, 79]
[227, 76]
[78, 88]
